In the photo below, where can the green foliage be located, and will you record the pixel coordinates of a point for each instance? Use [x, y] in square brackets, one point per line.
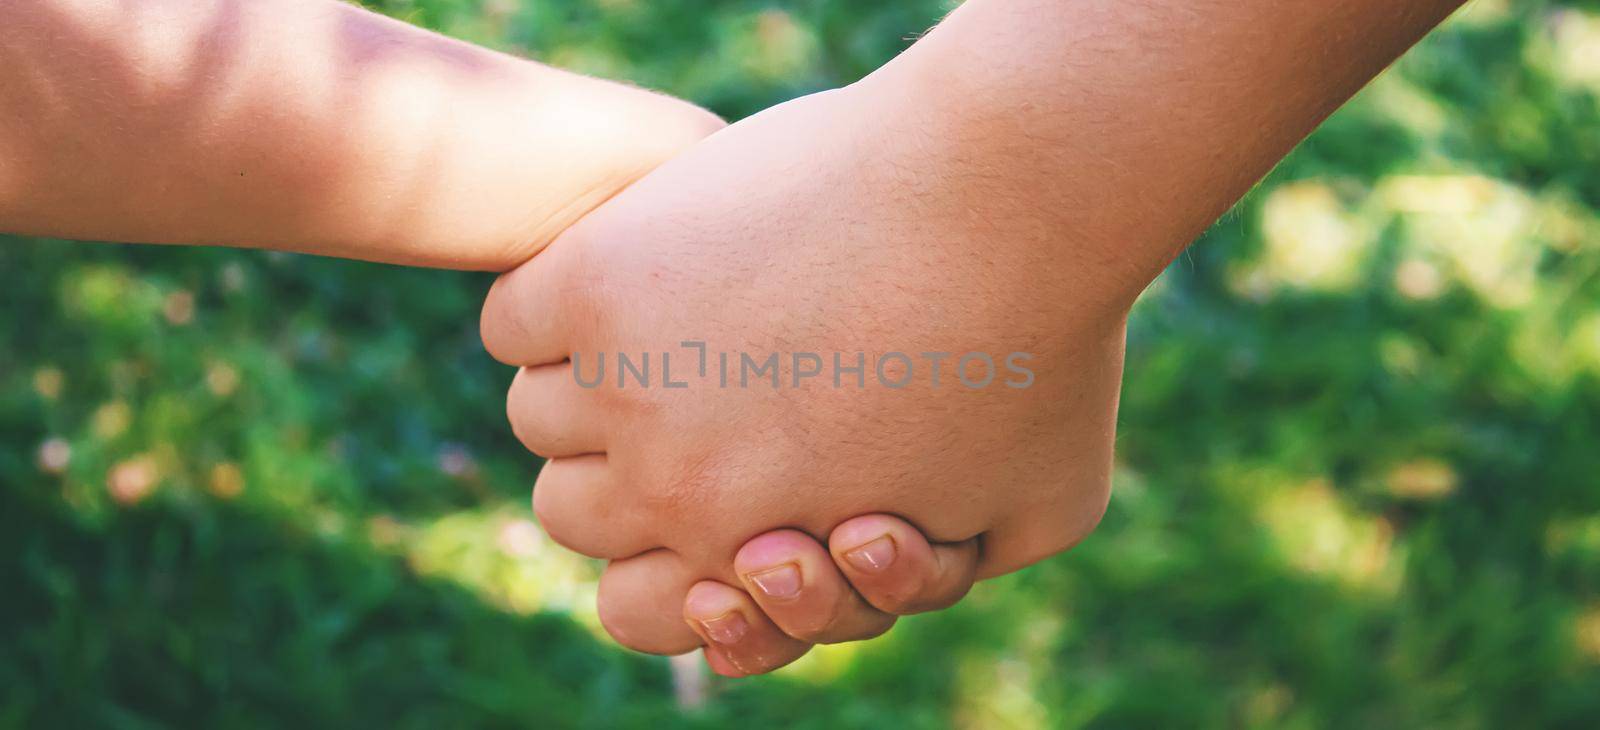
[1357, 485]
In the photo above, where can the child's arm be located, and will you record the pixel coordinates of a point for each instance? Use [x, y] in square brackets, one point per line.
[306, 125]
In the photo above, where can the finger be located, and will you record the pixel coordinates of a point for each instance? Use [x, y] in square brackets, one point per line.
[552, 415]
[532, 311]
[640, 602]
[894, 568]
[577, 503]
[793, 579]
[1023, 541]
[735, 630]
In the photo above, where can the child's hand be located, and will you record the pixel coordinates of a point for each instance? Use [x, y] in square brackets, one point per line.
[794, 592]
[815, 228]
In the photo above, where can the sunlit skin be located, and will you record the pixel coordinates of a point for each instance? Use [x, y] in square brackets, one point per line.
[1012, 182]
[311, 126]
[306, 125]
[1013, 199]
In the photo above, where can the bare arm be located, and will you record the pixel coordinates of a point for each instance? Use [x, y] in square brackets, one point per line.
[1008, 185]
[1122, 129]
[305, 125]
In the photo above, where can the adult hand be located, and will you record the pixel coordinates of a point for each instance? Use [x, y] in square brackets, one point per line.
[1008, 184]
[814, 227]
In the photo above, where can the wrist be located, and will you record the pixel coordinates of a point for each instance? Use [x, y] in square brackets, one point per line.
[514, 157]
[585, 140]
[1001, 180]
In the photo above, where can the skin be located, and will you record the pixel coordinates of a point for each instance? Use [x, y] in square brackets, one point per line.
[306, 125]
[310, 126]
[1013, 200]
[640, 470]
[1020, 198]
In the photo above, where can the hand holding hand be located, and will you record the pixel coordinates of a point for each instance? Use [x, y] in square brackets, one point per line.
[813, 227]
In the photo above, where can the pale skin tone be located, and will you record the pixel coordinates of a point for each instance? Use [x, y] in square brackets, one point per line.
[306, 125]
[1013, 199]
[310, 126]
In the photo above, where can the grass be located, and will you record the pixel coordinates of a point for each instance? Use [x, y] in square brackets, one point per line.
[1357, 484]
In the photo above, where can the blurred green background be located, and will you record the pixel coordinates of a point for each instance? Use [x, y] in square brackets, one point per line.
[1359, 480]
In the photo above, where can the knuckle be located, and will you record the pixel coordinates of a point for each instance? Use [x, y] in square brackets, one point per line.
[535, 435]
[548, 509]
[532, 422]
[494, 321]
[617, 625]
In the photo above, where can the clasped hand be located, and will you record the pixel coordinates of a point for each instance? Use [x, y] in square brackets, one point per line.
[759, 514]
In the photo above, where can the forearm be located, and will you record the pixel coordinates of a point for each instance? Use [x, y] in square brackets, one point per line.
[308, 125]
[1125, 128]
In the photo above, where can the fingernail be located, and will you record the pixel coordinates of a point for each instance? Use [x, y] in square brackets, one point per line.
[873, 556]
[728, 628]
[780, 582]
